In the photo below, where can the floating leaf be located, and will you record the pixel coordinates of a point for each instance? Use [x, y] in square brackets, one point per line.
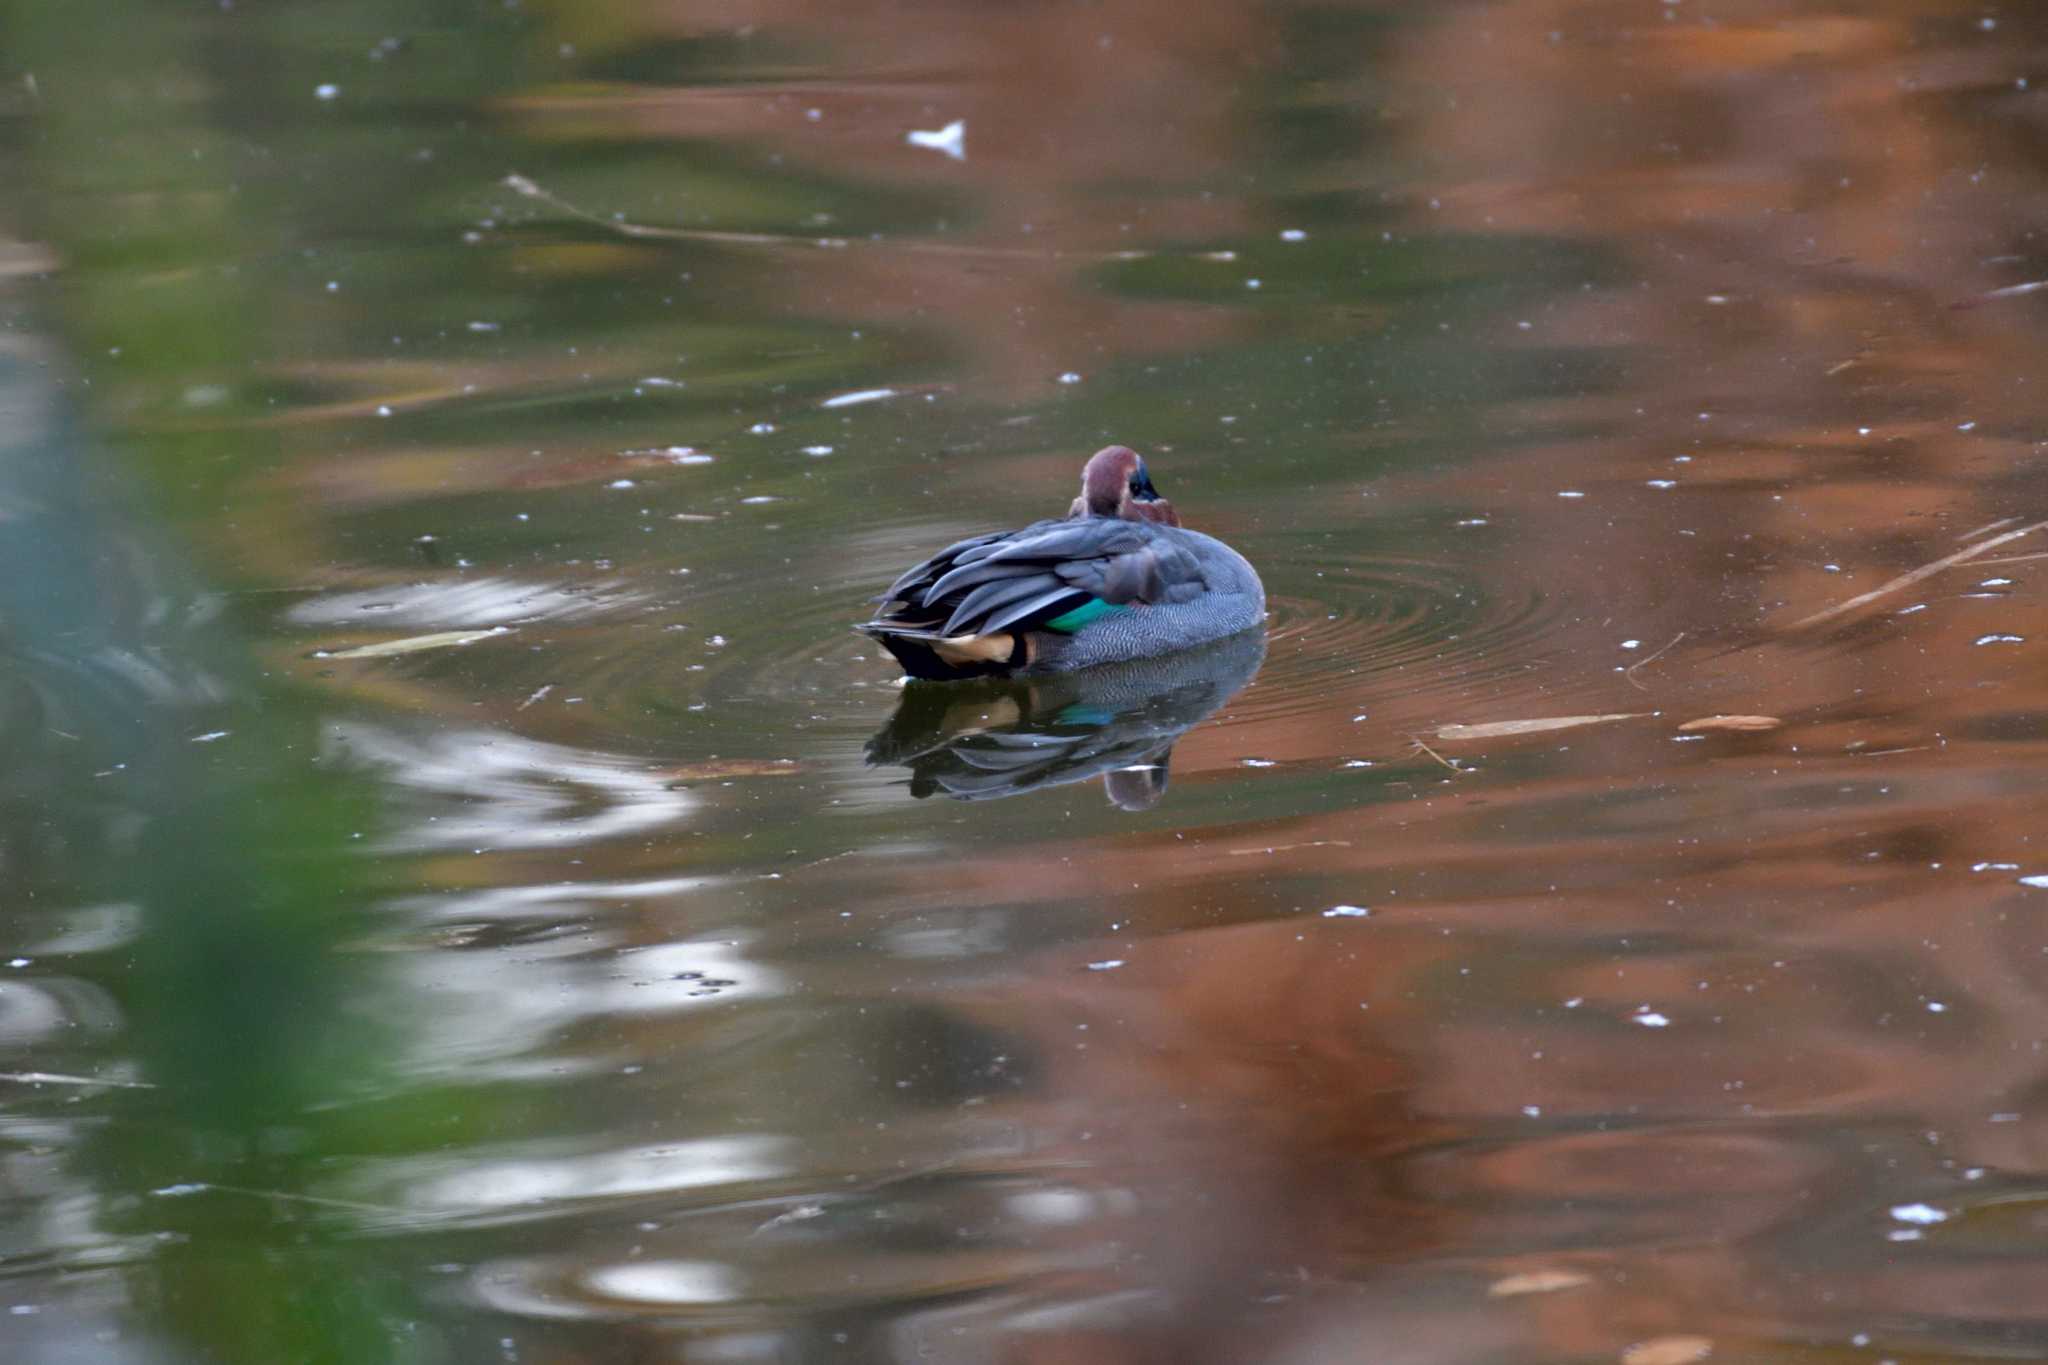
[1536, 1282]
[413, 644]
[1734, 723]
[1501, 729]
[1668, 1351]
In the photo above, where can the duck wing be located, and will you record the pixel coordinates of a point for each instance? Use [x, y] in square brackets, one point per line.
[1030, 578]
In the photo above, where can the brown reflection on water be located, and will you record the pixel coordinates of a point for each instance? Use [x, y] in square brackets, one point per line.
[1730, 1035]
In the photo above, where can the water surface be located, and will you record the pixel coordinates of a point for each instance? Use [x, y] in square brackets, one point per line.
[470, 897]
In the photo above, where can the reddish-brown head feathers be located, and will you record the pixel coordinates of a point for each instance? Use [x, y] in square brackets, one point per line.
[1115, 484]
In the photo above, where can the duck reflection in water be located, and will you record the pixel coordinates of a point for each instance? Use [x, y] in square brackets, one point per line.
[986, 740]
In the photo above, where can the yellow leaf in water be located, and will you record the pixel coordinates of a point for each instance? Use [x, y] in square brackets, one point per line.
[413, 644]
[1692, 727]
[1501, 729]
[1536, 1282]
[1668, 1351]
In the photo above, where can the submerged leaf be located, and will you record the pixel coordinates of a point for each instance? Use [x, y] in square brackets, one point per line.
[1500, 729]
[1668, 1351]
[1536, 1282]
[1693, 727]
[730, 767]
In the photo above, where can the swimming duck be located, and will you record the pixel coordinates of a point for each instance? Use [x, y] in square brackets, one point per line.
[1117, 578]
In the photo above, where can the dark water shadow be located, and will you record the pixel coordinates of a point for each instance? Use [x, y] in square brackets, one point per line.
[987, 741]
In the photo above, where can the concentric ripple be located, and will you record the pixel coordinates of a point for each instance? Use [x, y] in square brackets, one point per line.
[1356, 630]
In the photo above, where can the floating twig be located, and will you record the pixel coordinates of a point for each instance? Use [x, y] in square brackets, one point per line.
[1418, 742]
[1907, 580]
[1629, 673]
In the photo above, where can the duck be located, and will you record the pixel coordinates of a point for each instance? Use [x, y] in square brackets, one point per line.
[1118, 578]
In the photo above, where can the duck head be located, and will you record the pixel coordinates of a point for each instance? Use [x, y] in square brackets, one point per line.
[1115, 484]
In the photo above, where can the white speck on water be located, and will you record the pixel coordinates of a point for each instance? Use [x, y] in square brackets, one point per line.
[210, 736]
[858, 396]
[1358, 763]
[19, 962]
[1631, 644]
[685, 455]
[1362, 715]
[761, 428]
[716, 642]
[1070, 377]
[2003, 1116]
[334, 286]
[1863, 431]
[1257, 762]
[481, 326]
[179, 1191]
[1570, 493]
[2001, 640]
[1996, 583]
[1908, 611]
[951, 139]
[383, 409]
[1966, 426]
[1717, 298]
[760, 498]
[1663, 483]
[1524, 325]
[1994, 867]
[815, 451]
[1904, 1235]
[1924, 1215]
[1649, 1018]
[1347, 912]
[1936, 1007]
[813, 115]
[621, 483]
[326, 92]
[1252, 283]
[1293, 235]
[2037, 881]
[1987, 23]
[1532, 1111]
[1474, 521]
[1108, 964]
[1831, 568]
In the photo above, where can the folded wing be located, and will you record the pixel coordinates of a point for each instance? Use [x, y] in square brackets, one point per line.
[1025, 579]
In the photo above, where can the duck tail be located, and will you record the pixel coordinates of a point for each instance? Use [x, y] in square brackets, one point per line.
[947, 658]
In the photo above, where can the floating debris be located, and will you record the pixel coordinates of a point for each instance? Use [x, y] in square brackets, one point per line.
[1924, 1215]
[951, 139]
[1502, 729]
[1668, 1351]
[414, 644]
[857, 397]
[1536, 1282]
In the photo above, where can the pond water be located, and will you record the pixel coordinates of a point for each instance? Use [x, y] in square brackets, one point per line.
[469, 896]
